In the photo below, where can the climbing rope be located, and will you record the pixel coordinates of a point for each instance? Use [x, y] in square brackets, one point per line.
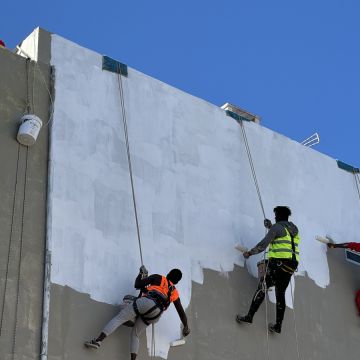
[10, 239]
[253, 172]
[248, 151]
[295, 326]
[30, 105]
[265, 289]
[357, 182]
[20, 258]
[28, 109]
[267, 264]
[123, 112]
[152, 351]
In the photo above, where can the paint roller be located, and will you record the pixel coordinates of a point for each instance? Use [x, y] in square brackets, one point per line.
[177, 342]
[241, 248]
[325, 240]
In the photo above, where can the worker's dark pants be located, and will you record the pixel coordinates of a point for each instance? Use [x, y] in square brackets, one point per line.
[278, 277]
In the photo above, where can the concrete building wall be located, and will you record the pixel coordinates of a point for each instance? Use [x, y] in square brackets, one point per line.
[23, 188]
[196, 200]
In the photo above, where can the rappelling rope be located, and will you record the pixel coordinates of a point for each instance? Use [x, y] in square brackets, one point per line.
[30, 104]
[123, 113]
[20, 258]
[264, 287]
[295, 326]
[10, 240]
[252, 167]
[357, 182]
[152, 351]
[28, 110]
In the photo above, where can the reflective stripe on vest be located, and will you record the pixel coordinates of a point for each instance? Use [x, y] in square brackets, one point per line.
[281, 248]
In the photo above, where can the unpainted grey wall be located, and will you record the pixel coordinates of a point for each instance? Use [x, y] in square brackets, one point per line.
[326, 321]
[23, 186]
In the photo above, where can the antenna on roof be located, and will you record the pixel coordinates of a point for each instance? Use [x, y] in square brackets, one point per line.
[311, 140]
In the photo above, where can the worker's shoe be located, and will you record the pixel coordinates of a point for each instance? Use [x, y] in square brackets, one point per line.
[275, 328]
[246, 319]
[93, 344]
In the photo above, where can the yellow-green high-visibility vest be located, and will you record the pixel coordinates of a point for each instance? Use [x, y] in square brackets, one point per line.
[281, 248]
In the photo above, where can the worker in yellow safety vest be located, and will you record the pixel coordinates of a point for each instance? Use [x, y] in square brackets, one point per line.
[282, 261]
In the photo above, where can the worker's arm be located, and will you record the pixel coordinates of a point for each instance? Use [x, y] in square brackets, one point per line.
[182, 316]
[273, 233]
[141, 283]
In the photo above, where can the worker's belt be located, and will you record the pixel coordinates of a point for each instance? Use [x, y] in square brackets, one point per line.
[159, 298]
[143, 316]
[284, 265]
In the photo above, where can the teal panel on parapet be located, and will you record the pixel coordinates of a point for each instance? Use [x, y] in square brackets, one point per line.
[236, 116]
[347, 167]
[112, 65]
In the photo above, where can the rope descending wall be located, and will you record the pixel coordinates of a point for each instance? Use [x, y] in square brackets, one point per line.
[13, 269]
[254, 176]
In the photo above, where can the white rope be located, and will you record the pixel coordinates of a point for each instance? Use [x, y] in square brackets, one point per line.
[123, 112]
[295, 326]
[253, 172]
[357, 182]
[266, 312]
[252, 166]
[20, 259]
[152, 350]
[49, 92]
[263, 211]
[10, 241]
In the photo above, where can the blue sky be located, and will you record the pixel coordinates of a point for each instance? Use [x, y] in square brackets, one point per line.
[294, 63]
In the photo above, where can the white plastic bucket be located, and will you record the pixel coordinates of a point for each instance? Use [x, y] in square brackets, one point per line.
[29, 129]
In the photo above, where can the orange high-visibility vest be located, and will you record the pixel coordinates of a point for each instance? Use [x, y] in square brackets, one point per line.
[166, 289]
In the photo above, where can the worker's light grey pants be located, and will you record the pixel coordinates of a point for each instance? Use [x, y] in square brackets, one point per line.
[127, 313]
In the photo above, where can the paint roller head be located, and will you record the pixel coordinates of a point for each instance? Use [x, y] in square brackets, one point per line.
[331, 240]
[322, 239]
[241, 248]
[177, 343]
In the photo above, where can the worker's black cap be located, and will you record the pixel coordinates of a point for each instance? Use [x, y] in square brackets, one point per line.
[282, 211]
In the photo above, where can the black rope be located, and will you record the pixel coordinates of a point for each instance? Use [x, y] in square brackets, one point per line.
[121, 93]
[20, 258]
[10, 240]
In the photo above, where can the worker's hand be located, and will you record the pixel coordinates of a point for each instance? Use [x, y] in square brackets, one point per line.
[246, 254]
[330, 245]
[267, 223]
[143, 271]
[186, 331]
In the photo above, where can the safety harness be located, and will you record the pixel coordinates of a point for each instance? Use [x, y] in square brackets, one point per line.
[161, 302]
[286, 267]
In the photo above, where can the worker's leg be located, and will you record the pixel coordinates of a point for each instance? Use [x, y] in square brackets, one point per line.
[126, 314]
[281, 283]
[259, 295]
[144, 305]
[258, 298]
[136, 331]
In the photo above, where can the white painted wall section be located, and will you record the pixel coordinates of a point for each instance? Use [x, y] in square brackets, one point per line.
[195, 194]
